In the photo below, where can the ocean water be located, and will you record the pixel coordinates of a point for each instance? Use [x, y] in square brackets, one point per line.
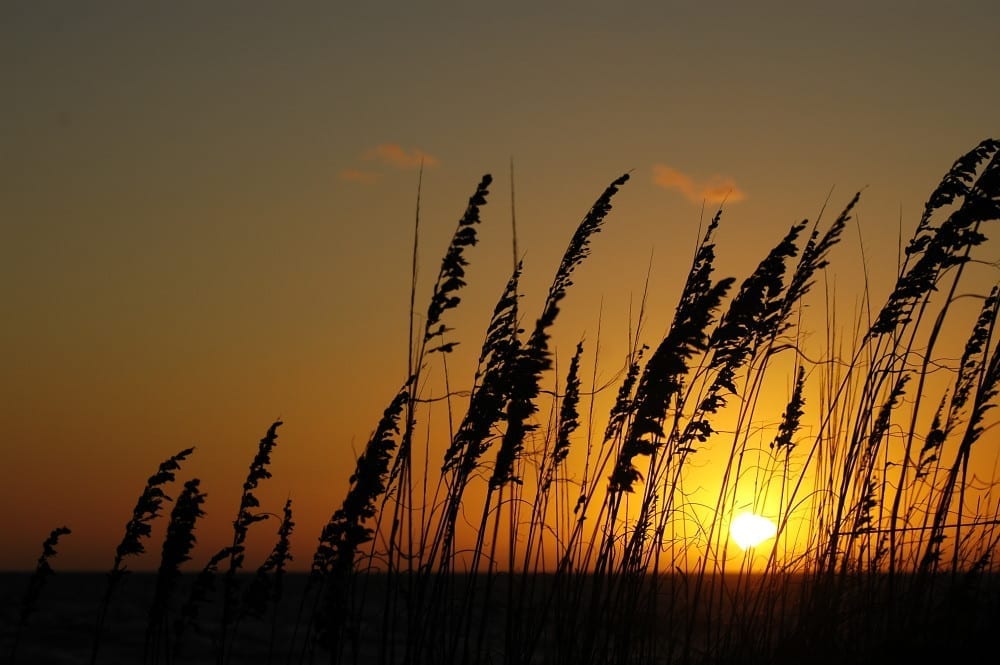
[62, 628]
[729, 619]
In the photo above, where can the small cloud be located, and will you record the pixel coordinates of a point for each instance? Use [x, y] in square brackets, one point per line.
[360, 177]
[669, 178]
[715, 189]
[719, 189]
[395, 155]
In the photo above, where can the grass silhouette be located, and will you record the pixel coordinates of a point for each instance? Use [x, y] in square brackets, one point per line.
[885, 544]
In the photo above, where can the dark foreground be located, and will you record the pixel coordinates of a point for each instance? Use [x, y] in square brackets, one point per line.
[537, 620]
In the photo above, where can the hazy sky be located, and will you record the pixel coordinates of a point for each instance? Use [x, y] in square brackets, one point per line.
[207, 207]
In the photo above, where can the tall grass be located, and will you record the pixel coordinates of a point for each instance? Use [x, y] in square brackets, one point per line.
[177, 546]
[147, 508]
[483, 542]
[43, 571]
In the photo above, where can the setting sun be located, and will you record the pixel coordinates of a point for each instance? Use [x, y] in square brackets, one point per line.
[749, 530]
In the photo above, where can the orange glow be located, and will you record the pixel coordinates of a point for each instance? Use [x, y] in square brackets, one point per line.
[201, 238]
[749, 530]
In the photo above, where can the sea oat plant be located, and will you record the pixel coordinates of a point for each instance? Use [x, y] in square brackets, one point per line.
[43, 570]
[527, 530]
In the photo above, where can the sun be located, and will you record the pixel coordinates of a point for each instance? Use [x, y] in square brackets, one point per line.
[749, 530]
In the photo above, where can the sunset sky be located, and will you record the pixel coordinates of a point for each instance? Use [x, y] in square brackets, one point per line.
[208, 207]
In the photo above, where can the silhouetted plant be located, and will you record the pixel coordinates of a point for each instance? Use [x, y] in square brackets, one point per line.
[147, 508]
[267, 586]
[201, 591]
[813, 259]
[347, 530]
[450, 280]
[624, 402]
[534, 357]
[755, 316]
[755, 312]
[663, 376]
[496, 360]
[452, 275]
[930, 451]
[792, 417]
[569, 420]
[937, 248]
[473, 437]
[177, 546]
[245, 518]
[841, 478]
[988, 380]
[490, 393]
[861, 463]
[43, 571]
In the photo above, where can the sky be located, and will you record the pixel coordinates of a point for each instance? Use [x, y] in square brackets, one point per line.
[208, 207]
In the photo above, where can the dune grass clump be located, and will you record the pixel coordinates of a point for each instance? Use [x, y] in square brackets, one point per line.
[487, 544]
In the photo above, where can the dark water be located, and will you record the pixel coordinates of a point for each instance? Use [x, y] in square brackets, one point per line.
[62, 628]
[746, 620]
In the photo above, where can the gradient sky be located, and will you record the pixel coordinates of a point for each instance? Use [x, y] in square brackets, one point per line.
[207, 207]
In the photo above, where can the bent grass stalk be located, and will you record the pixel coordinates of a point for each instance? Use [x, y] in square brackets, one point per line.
[43, 571]
[147, 508]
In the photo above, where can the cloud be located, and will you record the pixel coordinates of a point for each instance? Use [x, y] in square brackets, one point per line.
[360, 177]
[392, 154]
[714, 189]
